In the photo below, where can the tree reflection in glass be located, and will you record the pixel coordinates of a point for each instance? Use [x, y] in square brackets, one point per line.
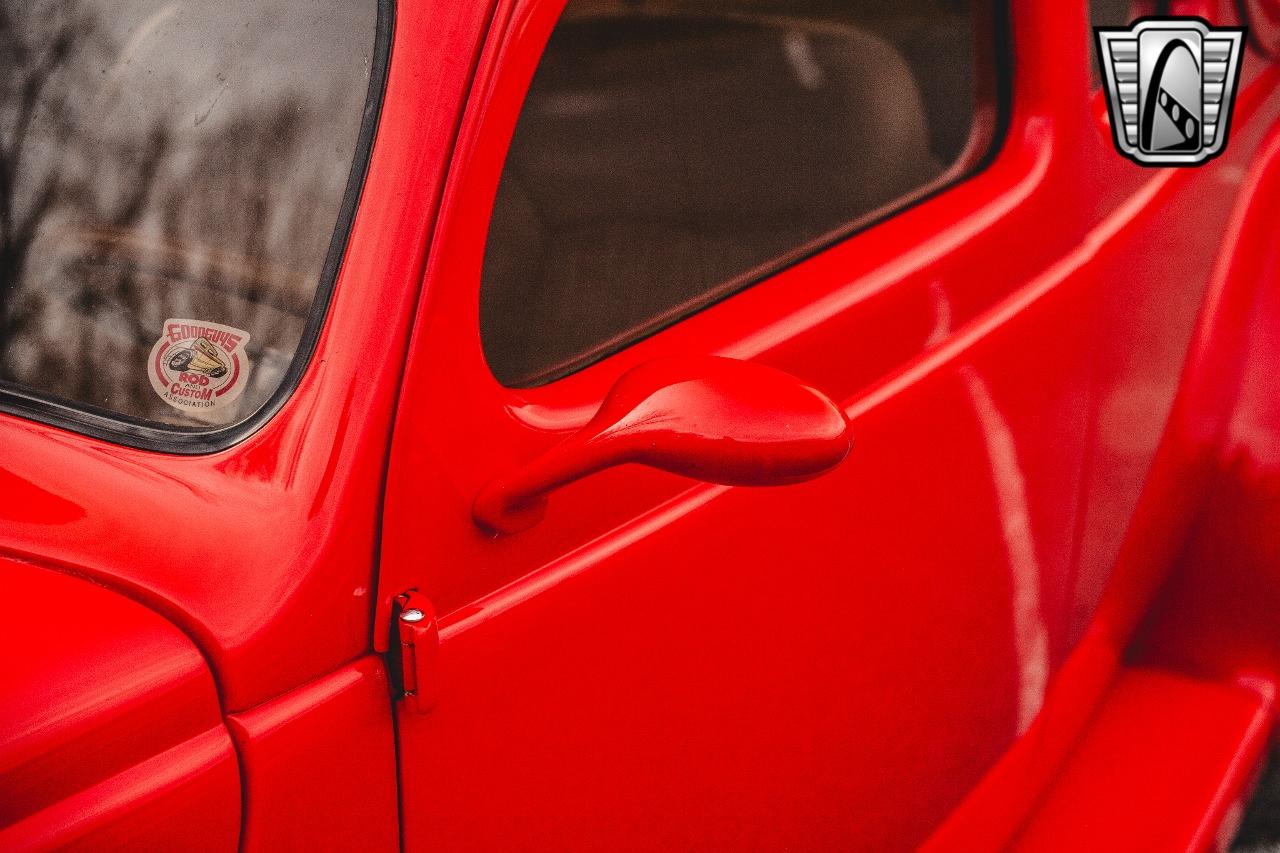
[168, 159]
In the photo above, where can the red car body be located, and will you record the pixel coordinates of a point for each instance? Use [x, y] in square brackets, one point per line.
[1034, 607]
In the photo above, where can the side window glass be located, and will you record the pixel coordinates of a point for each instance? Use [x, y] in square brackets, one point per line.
[671, 152]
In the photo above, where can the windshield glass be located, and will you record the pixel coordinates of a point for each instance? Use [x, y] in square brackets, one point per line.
[171, 174]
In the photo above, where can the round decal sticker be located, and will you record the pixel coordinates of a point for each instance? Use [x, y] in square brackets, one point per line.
[198, 366]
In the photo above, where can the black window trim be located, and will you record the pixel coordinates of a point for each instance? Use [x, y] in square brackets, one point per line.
[119, 428]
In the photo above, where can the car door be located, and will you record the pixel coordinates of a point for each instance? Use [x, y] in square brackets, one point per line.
[869, 199]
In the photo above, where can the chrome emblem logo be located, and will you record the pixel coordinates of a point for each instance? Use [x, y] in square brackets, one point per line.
[1171, 83]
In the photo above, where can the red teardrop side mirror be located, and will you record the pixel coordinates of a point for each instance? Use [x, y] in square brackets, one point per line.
[714, 419]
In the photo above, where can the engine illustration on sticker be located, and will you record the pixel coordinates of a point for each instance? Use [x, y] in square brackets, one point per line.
[198, 366]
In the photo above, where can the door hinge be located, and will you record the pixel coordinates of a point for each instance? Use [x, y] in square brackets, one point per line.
[414, 652]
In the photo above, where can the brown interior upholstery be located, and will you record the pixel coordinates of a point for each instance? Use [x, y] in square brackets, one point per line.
[658, 156]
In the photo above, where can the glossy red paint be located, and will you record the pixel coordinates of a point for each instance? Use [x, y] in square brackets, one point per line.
[1214, 614]
[1179, 481]
[1263, 18]
[712, 419]
[110, 731]
[932, 644]
[263, 555]
[604, 675]
[319, 764]
[1182, 751]
[286, 521]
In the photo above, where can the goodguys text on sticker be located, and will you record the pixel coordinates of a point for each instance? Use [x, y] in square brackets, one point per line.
[199, 366]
